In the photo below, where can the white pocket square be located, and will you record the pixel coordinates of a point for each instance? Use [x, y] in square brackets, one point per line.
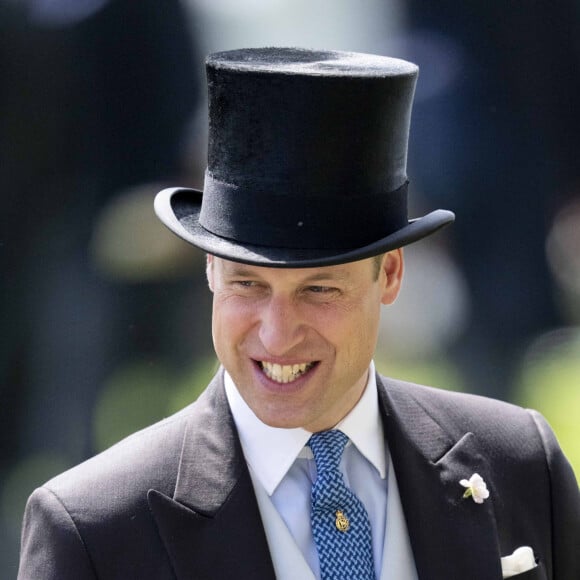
[520, 561]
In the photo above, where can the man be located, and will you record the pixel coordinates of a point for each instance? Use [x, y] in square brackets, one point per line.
[299, 461]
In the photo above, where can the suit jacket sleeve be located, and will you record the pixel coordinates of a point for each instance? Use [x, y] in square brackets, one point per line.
[52, 548]
[565, 505]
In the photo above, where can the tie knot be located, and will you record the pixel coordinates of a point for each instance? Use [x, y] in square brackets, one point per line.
[327, 447]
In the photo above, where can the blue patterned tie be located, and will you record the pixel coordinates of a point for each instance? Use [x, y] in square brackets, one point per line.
[340, 524]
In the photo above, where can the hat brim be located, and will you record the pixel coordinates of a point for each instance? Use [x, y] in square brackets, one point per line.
[179, 209]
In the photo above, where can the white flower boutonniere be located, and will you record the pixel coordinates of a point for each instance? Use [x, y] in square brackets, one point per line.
[476, 488]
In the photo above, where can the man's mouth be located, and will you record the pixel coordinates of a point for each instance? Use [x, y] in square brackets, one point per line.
[284, 373]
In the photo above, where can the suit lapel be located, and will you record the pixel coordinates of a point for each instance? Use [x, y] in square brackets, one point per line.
[451, 537]
[211, 528]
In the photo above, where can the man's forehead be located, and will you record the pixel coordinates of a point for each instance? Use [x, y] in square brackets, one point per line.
[337, 271]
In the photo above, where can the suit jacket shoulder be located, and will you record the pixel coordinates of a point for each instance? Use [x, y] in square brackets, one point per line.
[495, 423]
[97, 512]
[437, 438]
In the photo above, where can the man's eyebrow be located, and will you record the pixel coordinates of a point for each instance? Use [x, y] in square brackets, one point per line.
[334, 276]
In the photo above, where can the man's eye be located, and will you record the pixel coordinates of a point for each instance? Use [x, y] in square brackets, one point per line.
[321, 289]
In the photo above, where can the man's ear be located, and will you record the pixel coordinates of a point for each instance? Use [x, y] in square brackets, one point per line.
[209, 266]
[391, 275]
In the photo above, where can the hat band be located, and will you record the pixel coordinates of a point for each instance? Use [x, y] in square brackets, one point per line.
[284, 220]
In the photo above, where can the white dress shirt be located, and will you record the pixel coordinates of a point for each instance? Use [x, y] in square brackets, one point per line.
[284, 468]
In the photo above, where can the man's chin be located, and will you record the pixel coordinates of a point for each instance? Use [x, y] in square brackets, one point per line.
[279, 417]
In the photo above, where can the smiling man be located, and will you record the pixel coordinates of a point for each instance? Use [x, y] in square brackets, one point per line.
[299, 461]
[298, 342]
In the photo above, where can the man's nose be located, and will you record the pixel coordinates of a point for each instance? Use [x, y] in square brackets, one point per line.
[281, 326]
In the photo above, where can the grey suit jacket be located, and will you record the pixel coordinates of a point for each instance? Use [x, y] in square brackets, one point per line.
[175, 501]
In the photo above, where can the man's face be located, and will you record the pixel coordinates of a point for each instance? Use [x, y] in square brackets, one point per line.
[298, 342]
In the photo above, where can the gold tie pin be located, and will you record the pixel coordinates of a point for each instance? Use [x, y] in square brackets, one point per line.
[342, 523]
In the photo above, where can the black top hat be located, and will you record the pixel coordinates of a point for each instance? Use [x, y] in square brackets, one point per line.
[307, 160]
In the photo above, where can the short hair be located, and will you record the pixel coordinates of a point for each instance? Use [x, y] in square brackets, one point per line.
[377, 261]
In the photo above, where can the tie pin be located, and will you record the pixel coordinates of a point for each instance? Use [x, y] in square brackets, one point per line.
[342, 523]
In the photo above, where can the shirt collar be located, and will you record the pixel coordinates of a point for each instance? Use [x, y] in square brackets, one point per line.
[271, 451]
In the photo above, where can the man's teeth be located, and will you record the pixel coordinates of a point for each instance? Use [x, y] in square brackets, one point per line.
[285, 373]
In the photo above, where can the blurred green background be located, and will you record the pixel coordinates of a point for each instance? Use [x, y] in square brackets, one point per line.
[106, 316]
